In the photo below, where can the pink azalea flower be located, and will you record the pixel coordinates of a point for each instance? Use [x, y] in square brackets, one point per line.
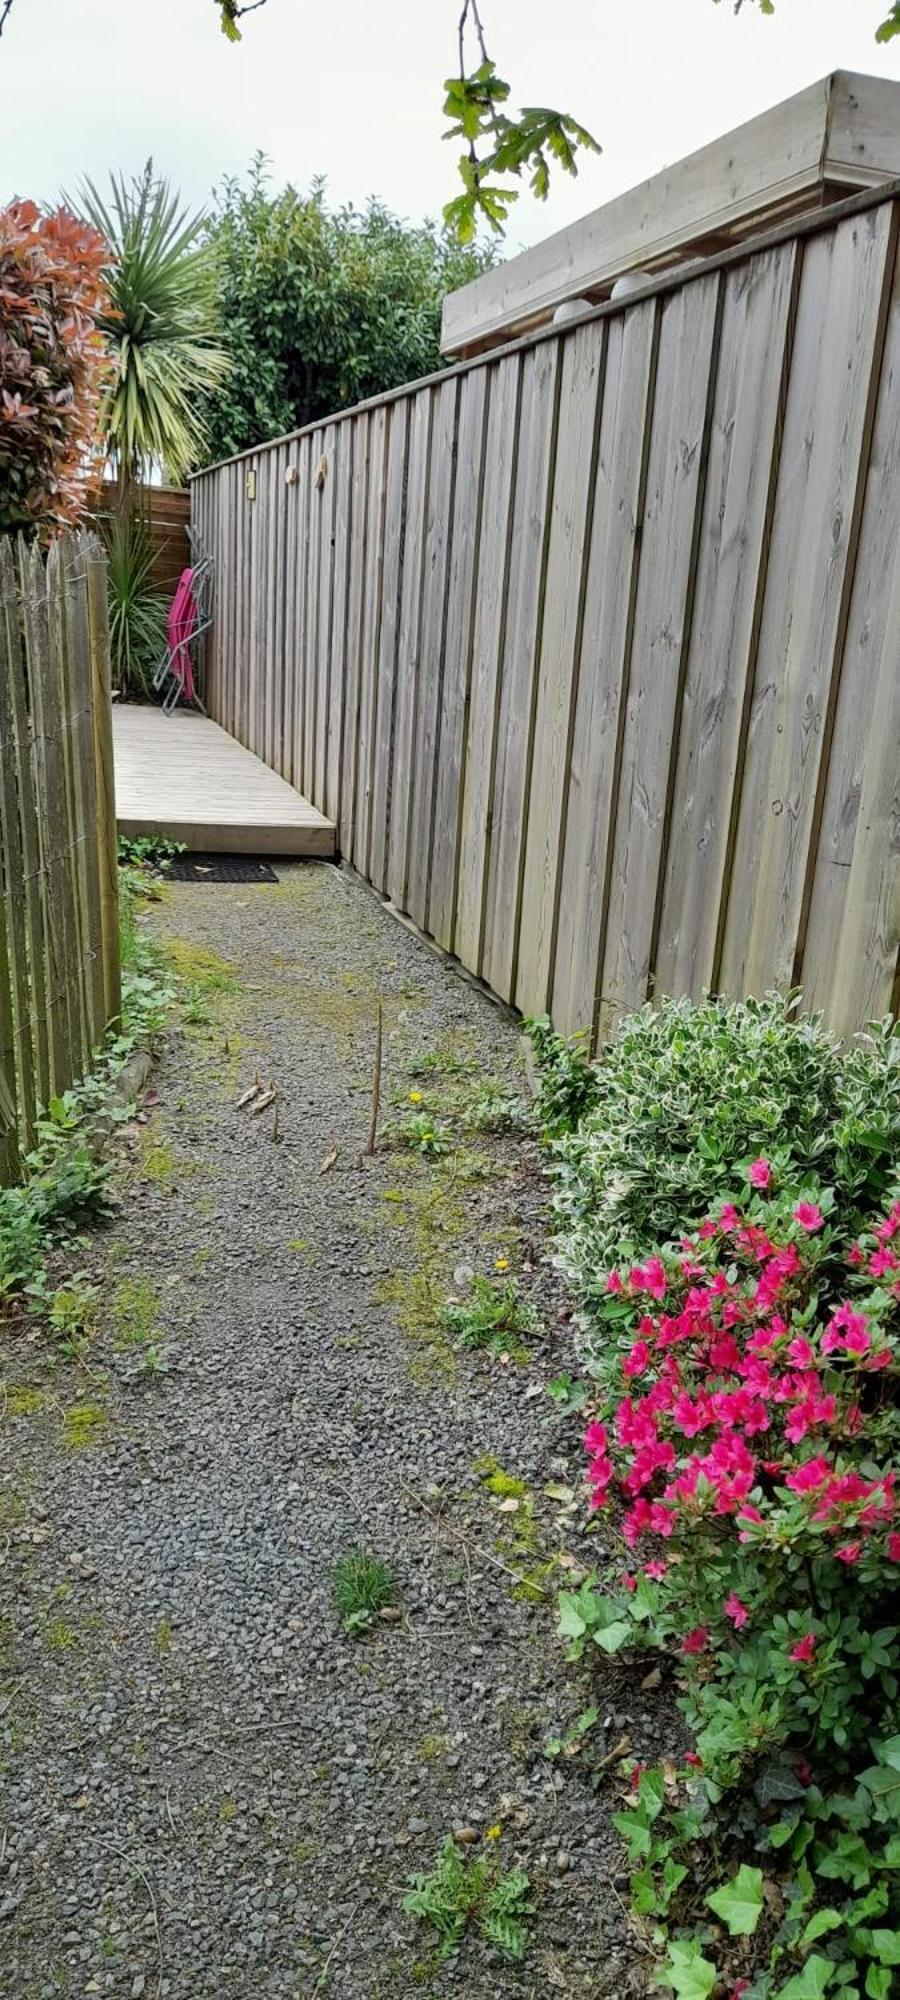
[759, 1174]
[892, 1548]
[638, 1360]
[809, 1476]
[809, 1215]
[736, 1611]
[804, 1649]
[850, 1553]
[614, 1282]
[658, 1569]
[881, 1262]
[696, 1641]
[801, 1353]
[595, 1438]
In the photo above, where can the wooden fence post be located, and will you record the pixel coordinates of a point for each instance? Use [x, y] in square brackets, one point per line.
[107, 845]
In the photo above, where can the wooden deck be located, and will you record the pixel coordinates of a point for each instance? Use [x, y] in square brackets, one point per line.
[183, 776]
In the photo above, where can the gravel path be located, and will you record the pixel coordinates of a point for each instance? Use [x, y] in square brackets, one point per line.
[209, 1792]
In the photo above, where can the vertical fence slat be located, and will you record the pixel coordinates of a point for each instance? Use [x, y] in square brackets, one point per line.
[11, 754]
[371, 629]
[345, 449]
[49, 774]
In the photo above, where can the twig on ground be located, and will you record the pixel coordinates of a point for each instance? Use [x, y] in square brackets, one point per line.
[369, 1147]
[465, 1541]
[143, 1877]
[320, 1982]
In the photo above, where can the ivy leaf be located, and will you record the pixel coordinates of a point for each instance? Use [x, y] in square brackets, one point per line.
[886, 1946]
[810, 1983]
[819, 1924]
[739, 1902]
[690, 1975]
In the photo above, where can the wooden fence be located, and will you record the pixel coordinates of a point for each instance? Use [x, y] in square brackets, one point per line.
[592, 645]
[168, 511]
[59, 946]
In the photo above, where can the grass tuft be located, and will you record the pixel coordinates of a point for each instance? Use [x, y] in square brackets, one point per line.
[362, 1587]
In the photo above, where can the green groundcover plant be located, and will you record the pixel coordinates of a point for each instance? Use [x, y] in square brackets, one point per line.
[748, 1427]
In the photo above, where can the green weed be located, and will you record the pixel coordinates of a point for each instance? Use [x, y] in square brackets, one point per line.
[362, 1587]
[492, 1315]
[471, 1889]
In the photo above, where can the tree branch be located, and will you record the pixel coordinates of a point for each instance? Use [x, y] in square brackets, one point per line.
[4, 15]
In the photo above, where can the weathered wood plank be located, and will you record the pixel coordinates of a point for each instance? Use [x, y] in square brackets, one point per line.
[447, 661]
[661, 623]
[581, 381]
[744, 443]
[343, 529]
[317, 482]
[14, 969]
[854, 917]
[327, 495]
[386, 669]
[603, 670]
[487, 648]
[409, 643]
[359, 512]
[371, 631]
[840, 314]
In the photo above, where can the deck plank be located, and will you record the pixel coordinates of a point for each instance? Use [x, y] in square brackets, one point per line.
[183, 776]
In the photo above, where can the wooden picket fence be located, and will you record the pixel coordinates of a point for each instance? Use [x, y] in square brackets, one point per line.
[590, 645]
[59, 943]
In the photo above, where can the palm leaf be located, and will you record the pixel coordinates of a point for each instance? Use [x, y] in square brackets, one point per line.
[162, 326]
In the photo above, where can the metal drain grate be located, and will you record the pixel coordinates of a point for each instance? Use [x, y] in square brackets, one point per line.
[220, 868]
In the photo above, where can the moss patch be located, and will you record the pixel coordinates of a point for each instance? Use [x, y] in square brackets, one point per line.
[84, 1424]
[22, 1399]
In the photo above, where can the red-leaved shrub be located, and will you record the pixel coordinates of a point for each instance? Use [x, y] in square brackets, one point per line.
[52, 365]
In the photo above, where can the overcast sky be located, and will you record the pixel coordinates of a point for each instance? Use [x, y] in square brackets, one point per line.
[351, 88]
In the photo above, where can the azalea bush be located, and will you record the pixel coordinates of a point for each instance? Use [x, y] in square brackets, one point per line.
[683, 1094]
[52, 365]
[746, 1434]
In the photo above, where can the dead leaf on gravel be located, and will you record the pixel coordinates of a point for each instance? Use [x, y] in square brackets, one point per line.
[653, 1679]
[247, 1096]
[328, 1161]
[262, 1103]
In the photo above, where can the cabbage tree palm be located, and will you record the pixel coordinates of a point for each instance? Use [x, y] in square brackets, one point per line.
[162, 327]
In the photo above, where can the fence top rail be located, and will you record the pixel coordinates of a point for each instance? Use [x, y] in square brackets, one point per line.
[658, 285]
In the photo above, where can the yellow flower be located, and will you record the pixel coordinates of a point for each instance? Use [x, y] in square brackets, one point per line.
[502, 1264]
[415, 1097]
[493, 1833]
